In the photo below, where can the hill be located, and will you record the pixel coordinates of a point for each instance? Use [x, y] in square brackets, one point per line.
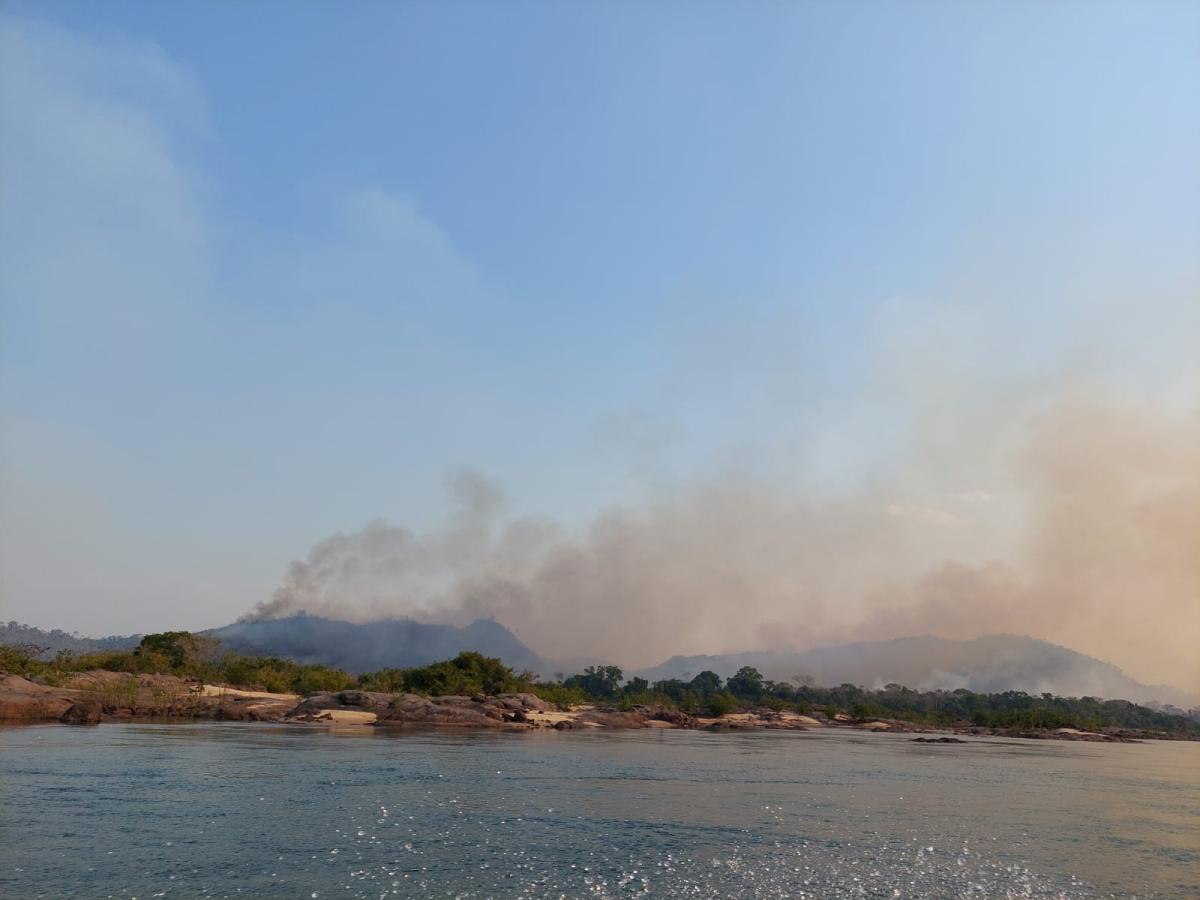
[365, 647]
[988, 664]
[13, 634]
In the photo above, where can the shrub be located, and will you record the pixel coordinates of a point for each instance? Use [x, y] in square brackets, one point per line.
[166, 696]
[22, 659]
[467, 673]
[559, 694]
[722, 703]
[386, 681]
[311, 679]
[117, 693]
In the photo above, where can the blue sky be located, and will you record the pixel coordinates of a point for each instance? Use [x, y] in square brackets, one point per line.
[275, 269]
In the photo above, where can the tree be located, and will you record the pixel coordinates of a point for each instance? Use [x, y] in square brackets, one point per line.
[637, 686]
[177, 646]
[672, 688]
[468, 673]
[747, 684]
[597, 681]
[706, 683]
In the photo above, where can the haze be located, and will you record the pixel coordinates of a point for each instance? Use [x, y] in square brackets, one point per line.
[644, 329]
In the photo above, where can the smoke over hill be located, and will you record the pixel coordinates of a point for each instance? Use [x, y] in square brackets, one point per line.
[1070, 519]
[989, 664]
[388, 643]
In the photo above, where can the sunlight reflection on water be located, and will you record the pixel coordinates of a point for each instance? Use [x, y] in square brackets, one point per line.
[226, 810]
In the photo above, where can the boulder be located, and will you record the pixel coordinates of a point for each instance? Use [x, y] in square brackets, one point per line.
[447, 711]
[235, 712]
[527, 702]
[87, 711]
[367, 700]
[22, 700]
[313, 704]
[939, 740]
[612, 719]
[676, 717]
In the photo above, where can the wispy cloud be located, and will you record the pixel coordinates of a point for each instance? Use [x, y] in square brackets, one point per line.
[191, 393]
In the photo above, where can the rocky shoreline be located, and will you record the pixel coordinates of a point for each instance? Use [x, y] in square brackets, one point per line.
[102, 696]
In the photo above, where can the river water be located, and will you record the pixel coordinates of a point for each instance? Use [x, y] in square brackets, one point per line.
[227, 810]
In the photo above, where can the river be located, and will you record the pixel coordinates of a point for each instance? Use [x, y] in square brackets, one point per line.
[227, 810]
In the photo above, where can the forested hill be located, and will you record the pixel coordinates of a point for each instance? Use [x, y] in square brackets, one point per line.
[354, 647]
[384, 643]
[14, 634]
[989, 664]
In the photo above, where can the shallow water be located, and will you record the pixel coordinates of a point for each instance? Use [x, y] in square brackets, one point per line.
[214, 810]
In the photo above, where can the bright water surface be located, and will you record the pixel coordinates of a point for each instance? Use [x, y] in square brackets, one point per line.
[216, 810]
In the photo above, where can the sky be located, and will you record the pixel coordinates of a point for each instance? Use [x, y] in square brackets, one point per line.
[832, 296]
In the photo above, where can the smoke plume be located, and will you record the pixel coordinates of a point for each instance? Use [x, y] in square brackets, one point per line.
[1088, 534]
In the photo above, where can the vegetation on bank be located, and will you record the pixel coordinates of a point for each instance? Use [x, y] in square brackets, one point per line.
[185, 655]
[201, 658]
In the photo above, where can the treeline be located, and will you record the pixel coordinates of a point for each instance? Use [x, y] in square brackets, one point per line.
[707, 693]
[178, 653]
[202, 658]
[50, 642]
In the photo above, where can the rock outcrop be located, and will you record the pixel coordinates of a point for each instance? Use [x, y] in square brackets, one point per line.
[484, 712]
[938, 740]
[92, 696]
[522, 710]
[676, 717]
[87, 711]
[315, 704]
[22, 700]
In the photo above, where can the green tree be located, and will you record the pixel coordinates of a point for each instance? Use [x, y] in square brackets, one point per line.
[176, 647]
[706, 683]
[636, 686]
[747, 684]
[597, 681]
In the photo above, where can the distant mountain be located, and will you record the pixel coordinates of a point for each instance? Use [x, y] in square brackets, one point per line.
[988, 664]
[993, 663]
[388, 643]
[14, 633]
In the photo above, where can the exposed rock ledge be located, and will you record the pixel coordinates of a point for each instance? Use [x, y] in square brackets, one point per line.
[113, 696]
[91, 697]
[22, 700]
